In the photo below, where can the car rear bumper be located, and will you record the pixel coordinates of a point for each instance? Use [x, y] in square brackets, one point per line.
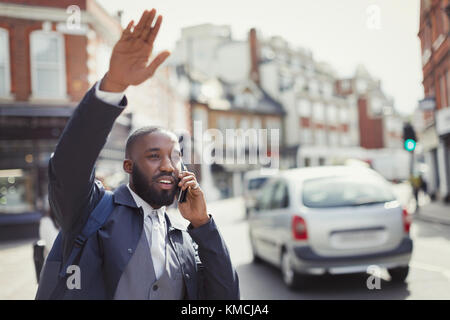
[307, 261]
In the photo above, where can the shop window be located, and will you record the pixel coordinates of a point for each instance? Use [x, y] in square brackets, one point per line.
[16, 191]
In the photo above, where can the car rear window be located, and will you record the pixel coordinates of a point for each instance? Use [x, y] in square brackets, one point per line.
[342, 191]
[256, 183]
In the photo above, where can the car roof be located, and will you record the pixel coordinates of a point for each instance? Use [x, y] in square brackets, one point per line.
[263, 173]
[301, 174]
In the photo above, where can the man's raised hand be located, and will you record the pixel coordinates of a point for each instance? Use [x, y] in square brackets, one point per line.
[129, 59]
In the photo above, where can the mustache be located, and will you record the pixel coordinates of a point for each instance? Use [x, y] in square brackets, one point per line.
[165, 174]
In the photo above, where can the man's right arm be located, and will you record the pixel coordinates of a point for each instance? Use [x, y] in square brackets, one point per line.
[71, 167]
[72, 191]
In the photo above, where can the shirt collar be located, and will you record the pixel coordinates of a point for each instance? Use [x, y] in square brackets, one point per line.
[148, 209]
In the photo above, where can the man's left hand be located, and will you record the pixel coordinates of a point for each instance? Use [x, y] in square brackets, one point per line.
[194, 209]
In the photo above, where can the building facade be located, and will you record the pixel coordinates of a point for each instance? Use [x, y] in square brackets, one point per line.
[51, 53]
[435, 107]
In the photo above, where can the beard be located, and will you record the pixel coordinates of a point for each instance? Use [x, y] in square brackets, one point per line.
[148, 191]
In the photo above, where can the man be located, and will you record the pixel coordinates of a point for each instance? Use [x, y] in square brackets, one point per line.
[138, 253]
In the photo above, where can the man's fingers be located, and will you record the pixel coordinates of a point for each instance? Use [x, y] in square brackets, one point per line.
[193, 184]
[154, 31]
[160, 58]
[185, 179]
[141, 24]
[148, 26]
[185, 173]
[127, 32]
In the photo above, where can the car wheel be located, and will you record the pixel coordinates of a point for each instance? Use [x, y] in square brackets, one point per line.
[398, 274]
[291, 278]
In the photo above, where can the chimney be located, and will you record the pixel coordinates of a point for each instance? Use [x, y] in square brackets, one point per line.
[254, 55]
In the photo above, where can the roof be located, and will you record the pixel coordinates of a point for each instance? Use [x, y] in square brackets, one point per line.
[301, 174]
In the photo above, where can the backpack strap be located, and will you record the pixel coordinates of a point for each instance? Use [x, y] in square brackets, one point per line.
[95, 221]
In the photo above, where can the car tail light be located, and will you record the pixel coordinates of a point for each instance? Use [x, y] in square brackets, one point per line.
[299, 231]
[406, 220]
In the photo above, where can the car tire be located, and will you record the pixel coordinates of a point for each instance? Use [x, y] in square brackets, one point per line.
[291, 278]
[398, 274]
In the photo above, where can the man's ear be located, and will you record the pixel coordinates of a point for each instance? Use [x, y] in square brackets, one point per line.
[128, 166]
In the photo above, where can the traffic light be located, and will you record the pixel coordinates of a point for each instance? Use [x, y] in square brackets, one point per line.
[409, 137]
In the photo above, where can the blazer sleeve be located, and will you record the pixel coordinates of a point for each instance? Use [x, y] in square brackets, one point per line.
[220, 279]
[72, 190]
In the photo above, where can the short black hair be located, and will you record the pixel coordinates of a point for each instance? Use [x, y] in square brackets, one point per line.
[143, 132]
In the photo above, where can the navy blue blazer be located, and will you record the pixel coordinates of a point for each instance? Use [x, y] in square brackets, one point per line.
[73, 194]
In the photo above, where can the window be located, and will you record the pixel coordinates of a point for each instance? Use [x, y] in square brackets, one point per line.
[343, 115]
[299, 83]
[345, 85]
[265, 196]
[48, 72]
[4, 63]
[332, 114]
[306, 136]
[313, 87]
[342, 191]
[345, 139]
[16, 191]
[443, 92]
[447, 73]
[327, 89]
[304, 108]
[319, 113]
[307, 162]
[334, 138]
[280, 197]
[321, 138]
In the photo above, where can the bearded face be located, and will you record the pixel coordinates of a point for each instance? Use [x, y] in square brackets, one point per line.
[158, 190]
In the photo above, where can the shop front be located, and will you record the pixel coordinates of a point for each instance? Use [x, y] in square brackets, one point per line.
[28, 136]
[443, 152]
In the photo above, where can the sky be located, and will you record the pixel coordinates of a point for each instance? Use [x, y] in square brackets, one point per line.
[380, 34]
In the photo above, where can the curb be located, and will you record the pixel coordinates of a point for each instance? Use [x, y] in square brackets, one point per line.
[422, 217]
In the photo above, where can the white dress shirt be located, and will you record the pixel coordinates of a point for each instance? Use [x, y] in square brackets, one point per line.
[156, 231]
[154, 220]
[113, 98]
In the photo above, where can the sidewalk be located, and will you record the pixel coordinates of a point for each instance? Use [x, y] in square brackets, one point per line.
[435, 211]
[17, 273]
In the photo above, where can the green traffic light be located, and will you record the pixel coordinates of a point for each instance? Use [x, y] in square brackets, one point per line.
[410, 145]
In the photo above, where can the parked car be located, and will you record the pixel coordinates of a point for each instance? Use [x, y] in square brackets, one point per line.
[253, 182]
[335, 220]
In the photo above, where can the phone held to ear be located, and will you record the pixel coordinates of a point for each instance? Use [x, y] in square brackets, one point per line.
[183, 193]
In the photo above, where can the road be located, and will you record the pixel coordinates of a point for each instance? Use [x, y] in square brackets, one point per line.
[429, 276]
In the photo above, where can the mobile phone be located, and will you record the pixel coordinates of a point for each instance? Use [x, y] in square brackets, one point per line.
[182, 195]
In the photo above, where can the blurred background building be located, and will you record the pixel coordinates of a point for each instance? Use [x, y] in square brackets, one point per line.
[51, 53]
[433, 115]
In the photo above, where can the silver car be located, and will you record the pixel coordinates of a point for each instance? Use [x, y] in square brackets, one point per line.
[337, 219]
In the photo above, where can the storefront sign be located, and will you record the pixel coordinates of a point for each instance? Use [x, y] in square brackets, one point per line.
[427, 104]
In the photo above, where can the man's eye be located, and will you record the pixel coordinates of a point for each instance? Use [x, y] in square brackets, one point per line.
[153, 156]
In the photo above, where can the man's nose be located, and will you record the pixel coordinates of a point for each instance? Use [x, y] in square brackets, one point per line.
[166, 165]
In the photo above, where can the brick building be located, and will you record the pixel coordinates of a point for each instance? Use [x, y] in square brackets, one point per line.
[379, 126]
[435, 108]
[51, 53]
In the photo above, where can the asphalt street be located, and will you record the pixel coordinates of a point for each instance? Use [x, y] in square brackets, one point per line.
[429, 276]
